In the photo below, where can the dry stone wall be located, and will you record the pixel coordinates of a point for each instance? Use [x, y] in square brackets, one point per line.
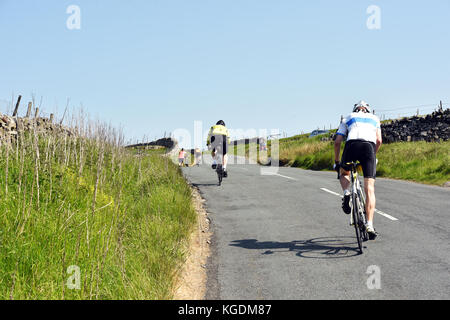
[168, 143]
[11, 126]
[432, 127]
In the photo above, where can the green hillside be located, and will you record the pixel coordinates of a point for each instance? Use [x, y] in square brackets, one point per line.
[425, 162]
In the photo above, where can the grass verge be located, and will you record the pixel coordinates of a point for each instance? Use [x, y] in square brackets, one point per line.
[84, 218]
[420, 161]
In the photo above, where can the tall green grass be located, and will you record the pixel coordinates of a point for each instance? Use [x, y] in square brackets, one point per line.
[425, 162]
[122, 218]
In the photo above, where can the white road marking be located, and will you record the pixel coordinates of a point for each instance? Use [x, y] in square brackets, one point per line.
[280, 175]
[332, 192]
[386, 215]
[376, 210]
[277, 174]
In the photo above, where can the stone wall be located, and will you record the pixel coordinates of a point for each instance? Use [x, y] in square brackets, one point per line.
[168, 143]
[432, 127]
[11, 126]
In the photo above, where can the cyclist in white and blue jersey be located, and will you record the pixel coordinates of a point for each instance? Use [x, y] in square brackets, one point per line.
[363, 132]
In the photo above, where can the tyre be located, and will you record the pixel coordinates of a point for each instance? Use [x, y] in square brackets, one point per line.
[357, 221]
[219, 171]
[362, 217]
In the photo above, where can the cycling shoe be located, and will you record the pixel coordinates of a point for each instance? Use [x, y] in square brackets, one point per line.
[346, 204]
[373, 234]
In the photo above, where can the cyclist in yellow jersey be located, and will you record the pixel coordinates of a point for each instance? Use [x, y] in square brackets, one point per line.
[219, 136]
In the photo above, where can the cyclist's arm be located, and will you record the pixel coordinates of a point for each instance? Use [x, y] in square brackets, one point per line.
[379, 140]
[337, 147]
[208, 141]
[340, 135]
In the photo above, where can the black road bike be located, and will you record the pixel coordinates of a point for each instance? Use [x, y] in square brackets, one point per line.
[219, 159]
[358, 202]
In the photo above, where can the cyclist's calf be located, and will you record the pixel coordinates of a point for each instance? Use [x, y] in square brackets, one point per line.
[345, 179]
[369, 189]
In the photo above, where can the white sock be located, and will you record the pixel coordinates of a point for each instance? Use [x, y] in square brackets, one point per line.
[370, 224]
[347, 192]
[214, 162]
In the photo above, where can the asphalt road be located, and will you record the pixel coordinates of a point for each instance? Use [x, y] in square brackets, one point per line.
[285, 237]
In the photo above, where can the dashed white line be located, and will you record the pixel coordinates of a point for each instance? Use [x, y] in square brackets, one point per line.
[280, 175]
[376, 210]
[332, 192]
[386, 215]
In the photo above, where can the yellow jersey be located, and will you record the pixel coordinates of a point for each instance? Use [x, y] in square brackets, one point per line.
[218, 130]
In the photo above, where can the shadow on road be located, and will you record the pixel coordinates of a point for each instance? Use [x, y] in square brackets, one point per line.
[317, 248]
[205, 184]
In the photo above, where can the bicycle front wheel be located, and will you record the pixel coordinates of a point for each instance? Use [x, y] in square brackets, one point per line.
[362, 216]
[357, 221]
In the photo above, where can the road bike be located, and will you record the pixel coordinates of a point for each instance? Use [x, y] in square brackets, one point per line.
[219, 159]
[358, 203]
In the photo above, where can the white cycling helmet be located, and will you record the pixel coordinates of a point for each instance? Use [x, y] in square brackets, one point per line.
[362, 104]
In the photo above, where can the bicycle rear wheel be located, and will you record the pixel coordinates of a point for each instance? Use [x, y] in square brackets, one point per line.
[219, 171]
[357, 221]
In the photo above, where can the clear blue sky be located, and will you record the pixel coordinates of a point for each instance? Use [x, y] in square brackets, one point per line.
[154, 66]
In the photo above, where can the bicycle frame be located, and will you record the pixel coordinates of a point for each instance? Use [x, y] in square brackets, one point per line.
[219, 158]
[356, 185]
[358, 201]
[357, 188]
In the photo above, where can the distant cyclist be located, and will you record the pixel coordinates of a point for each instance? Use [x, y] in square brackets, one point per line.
[219, 136]
[363, 133]
[182, 158]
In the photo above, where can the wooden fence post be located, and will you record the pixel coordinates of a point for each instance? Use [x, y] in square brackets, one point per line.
[17, 106]
[29, 109]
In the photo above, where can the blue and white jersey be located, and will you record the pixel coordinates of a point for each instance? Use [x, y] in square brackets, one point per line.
[360, 126]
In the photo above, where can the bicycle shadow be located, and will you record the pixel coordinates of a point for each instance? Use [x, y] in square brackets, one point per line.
[316, 248]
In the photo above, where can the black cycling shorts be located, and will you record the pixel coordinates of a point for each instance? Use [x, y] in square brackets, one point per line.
[219, 142]
[364, 152]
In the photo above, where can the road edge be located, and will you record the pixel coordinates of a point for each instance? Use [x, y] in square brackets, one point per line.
[192, 281]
